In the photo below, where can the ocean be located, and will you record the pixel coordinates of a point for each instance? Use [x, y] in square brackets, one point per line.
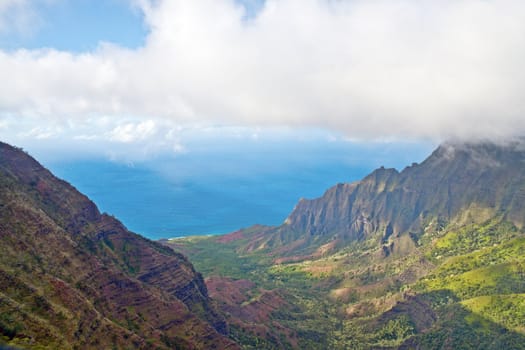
[211, 193]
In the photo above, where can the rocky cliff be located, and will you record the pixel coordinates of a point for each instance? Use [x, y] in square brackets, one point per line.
[462, 182]
[71, 277]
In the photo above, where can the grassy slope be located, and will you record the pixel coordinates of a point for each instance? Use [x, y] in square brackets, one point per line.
[457, 287]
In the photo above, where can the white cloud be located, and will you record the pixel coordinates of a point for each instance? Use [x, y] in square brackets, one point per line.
[368, 69]
[115, 138]
[42, 133]
[132, 132]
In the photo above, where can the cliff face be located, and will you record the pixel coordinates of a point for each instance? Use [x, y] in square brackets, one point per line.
[71, 277]
[457, 182]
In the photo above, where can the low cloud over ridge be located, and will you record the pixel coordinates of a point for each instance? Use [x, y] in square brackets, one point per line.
[368, 69]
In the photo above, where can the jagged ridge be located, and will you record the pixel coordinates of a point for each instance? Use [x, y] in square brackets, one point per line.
[482, 178]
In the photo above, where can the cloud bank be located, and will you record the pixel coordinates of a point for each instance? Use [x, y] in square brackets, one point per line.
[367, 69]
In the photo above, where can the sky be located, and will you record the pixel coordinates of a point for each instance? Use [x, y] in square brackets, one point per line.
[142, 77]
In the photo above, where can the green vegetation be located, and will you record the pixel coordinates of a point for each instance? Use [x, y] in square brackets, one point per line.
[463, 287]
[211, 258]
[507, 310]
[473, 237]
[395, 331]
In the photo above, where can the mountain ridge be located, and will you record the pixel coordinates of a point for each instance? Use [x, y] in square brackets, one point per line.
[388, 203]
[71, 275]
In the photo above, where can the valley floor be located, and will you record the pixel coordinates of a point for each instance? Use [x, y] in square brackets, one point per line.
[456, 287]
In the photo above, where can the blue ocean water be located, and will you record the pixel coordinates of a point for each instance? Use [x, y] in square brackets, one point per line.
[218, 191]
[149, 203]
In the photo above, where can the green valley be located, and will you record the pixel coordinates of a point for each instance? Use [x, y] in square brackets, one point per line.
[356, 297]
[405, 271]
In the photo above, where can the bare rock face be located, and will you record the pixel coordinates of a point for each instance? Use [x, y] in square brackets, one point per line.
[71, 277]
[457, 182]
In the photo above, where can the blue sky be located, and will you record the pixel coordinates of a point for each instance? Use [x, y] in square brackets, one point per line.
[136, 78]
[79, 26]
